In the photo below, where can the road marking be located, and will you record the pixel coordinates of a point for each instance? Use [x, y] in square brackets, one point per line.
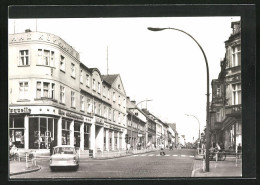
[183, 155]
[143, 155]
[175, 155]
[151, 155]
[167, 155]
[158, 155]
[191, 156]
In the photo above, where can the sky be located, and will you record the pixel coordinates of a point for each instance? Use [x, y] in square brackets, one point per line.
[166, 66]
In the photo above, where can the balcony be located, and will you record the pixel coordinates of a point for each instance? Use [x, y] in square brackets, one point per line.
[234, 110]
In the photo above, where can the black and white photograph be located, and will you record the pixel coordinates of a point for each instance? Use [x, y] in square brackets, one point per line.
[125, 97]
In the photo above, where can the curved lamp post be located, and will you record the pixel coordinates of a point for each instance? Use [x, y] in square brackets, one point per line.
[197, 120]
[207, 67]
[132, 118]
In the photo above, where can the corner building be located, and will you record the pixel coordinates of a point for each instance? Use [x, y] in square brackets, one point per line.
[52, 95]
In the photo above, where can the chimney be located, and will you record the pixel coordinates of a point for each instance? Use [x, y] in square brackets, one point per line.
[28, 30]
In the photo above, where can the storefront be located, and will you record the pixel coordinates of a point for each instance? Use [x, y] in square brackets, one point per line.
[34, 127]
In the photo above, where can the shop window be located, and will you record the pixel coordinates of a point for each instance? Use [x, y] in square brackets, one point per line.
[24, 58]
[41, 130]
[77, 134]
[16, 132]
[86, 136]
[65, 132]
[23, 90]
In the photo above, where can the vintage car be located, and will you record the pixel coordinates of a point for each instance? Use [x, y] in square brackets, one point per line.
[64, 156]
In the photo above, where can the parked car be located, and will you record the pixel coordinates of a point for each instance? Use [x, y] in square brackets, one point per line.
[64, 156]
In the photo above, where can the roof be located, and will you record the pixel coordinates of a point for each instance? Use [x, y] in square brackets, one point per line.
[109, 78]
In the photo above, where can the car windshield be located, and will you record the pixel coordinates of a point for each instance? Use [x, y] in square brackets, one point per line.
[63, 150]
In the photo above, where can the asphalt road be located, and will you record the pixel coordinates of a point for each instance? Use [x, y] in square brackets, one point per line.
[176, 163]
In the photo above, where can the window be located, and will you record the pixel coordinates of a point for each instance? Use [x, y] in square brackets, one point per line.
[62, 94]
[236, 94]
[104, 91]
[99, 110]
[62, 63]
[108, 94]
[45, 89]
[109, 114]
[99, 88]
[236, 56]
[114, 115]
[114, 96]
[119, 118]
[124, 103]
[95, 108]
[45, 57]
[119, 101]
[105, 111]
[87, 80]
[82, 103]
[24, 58]
[89, 106]
[73, 70]
[94, 85]
[81, 76]
[73, 104]
[23, 90]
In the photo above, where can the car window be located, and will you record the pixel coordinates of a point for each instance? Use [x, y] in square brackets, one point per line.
[64, 150]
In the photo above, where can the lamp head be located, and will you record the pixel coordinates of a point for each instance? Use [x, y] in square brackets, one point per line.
[156, 29]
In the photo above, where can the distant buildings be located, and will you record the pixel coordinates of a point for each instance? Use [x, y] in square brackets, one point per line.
[226, 105]
[53, 96]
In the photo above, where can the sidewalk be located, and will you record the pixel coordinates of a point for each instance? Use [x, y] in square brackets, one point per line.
[227, 168]
[16, 167]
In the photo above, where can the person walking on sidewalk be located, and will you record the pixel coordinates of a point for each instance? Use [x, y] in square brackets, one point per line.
[52, 145]
[239, 151]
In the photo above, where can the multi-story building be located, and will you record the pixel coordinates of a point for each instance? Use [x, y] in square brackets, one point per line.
[52, 95]
[226, 90]
[136, 126]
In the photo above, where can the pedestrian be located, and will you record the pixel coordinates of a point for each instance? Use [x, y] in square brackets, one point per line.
[162, 149]
[127, 147]
[239, 150]
[52, 144]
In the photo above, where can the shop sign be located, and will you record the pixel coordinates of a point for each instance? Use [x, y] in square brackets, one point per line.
[87, 120]
[20, 110]
[71, 115]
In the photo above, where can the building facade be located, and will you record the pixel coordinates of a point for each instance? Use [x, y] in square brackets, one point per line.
[52, 95]
[226, 106]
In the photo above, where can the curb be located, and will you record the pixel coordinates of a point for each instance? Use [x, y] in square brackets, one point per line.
[26, 171]
[105, 158]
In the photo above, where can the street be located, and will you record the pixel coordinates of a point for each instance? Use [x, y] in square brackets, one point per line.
[176, 163]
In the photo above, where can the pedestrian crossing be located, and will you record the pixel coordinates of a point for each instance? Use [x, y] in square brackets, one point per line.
[167, 155]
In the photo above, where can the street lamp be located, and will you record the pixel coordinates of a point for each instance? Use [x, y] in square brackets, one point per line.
[132, 118]
[197, 120]
[207, 67]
